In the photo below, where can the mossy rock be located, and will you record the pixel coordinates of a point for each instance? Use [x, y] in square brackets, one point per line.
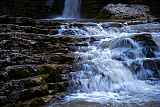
[104, 14]
[21, 72]
[62, 86]
[25, 94]
[58, 87]
[37, 102]
[44, 76]
[53, 87]
[39, 91]
[26, 21]
[48, 70]
[53, 73]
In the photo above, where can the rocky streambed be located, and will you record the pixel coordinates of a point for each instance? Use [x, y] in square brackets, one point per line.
[34, 61]
[37, 57]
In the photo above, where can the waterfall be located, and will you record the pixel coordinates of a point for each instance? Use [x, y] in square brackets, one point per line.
[72, 9]
[119, 68]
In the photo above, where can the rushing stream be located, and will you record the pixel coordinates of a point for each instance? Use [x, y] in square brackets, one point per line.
[119, 67]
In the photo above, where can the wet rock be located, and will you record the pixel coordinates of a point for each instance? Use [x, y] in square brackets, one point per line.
[121, 43]
[60, 96]
[58, 87]
[37, 102]
[74, 85]
[48, 99]
[104, 14]
[53, 73]
[53, 87]
[68, 32]
[152, 65]
[94, 39]
[21, 72]
[149, 45]
[39, 91]
[135, 22]
[76, 25]
[129, 54]
[32, 92]
[20, 88]
[3, 100]
[62, 58]
[62, 86]
[113, 24]
[149, 65]
[4, 36]
[119, 58]
[157, 20]
[81, 44]
[136, 67]
[30, 60]
[64, 77]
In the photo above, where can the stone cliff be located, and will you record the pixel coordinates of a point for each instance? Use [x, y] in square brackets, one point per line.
[53, 8]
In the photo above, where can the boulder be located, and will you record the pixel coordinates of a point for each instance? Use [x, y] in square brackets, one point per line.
[148, 44]
[149, 65]
[124, 11]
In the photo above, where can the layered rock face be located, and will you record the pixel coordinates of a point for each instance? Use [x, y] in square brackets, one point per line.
[33, 63]
[32, 8]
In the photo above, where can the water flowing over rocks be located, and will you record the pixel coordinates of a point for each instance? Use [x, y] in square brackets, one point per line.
[72, 9]
[120, 61]
[42, 61]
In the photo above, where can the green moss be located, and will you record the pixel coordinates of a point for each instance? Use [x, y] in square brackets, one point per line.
[41, 49]
[55, 58]
[62, 86]
[44, 90]
[37, 102]
[58, 87]
[44, 76]
[25, 95]
[47, 70]
[41, 91]
[53, 73]
[104, 14]
[43, 82]
[53, 87]
[32, 36]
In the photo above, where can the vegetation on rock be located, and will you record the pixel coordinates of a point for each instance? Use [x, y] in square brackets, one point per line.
[104, 14]
[30, 60]
[37, 102]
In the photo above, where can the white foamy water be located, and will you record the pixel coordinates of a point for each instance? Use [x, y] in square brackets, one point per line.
[118, 69]
[72, 9]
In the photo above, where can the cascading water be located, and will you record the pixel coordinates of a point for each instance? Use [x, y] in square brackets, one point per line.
[120, 67]
[72, 9]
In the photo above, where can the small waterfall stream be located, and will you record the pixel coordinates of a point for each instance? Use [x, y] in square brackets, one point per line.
[120, 67]
[72, 9]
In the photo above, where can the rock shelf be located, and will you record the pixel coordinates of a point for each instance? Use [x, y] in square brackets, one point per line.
[34, 61]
